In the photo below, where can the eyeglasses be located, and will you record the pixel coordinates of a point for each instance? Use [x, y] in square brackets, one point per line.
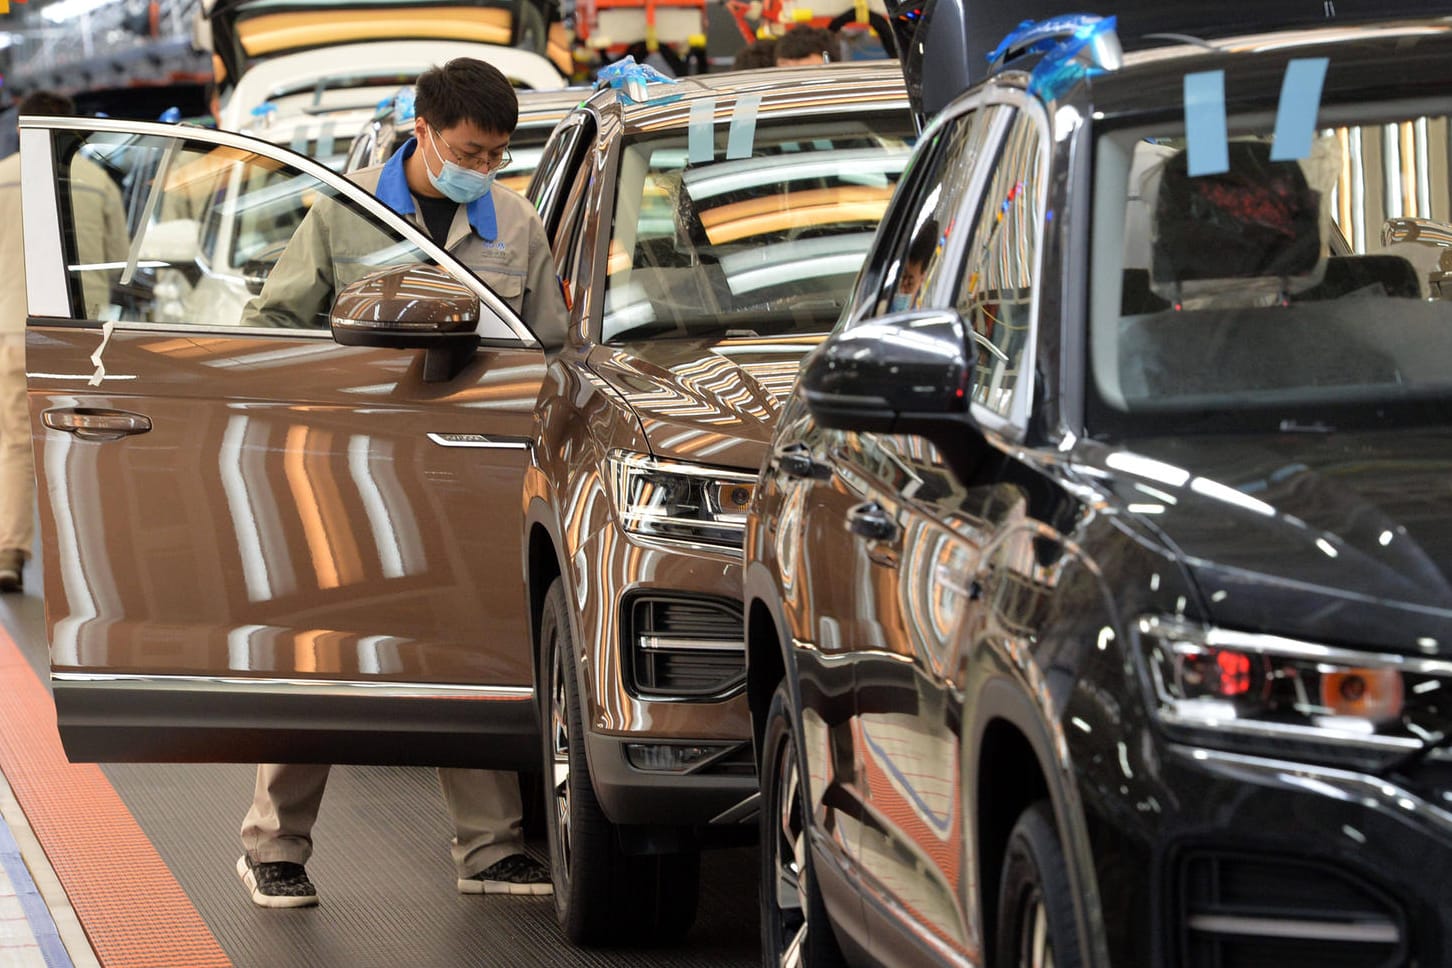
[477, 160]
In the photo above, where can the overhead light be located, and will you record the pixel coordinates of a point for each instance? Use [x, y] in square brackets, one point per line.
[64, 10]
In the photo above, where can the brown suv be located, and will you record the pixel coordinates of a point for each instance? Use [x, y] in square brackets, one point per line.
[295, 545]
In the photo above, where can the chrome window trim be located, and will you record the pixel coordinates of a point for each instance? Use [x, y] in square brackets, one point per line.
[393, 690]
[1014, 424]
[48, 293]
[210, 329]
[493, 310]
[1379, 931]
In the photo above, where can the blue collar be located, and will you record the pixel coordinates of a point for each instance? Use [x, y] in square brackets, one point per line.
[393, 191]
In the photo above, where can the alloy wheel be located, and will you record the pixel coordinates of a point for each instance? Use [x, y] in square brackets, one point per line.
[1036, 950]
[788, 849]
[560, 759]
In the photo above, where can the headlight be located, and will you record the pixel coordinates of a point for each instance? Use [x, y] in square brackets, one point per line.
[1265, 694]
[685, 502]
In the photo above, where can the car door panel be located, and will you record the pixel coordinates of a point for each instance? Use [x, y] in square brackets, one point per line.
[282, 525]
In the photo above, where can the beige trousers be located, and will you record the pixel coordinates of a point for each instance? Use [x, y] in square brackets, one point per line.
[484, 804]
[17, 473]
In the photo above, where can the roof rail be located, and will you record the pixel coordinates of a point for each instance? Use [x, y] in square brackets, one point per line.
[1074, 46]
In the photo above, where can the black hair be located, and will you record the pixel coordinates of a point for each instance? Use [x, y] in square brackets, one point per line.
[47, 104]
[759, 53]
[804, 40]
[467, 89]
[923, 244]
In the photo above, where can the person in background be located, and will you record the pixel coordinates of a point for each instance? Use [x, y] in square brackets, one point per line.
[759, 53]
[443, 180]
[805, 45]
[100, 239]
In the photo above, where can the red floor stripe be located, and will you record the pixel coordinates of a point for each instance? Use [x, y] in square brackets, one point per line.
[134, 912]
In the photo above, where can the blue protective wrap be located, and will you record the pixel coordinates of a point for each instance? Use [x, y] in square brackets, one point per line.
[1061, 40]
[630, 78]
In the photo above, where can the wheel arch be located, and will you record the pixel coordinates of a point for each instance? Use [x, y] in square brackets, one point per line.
[766, 650]
[1016, 761]
[542, 565]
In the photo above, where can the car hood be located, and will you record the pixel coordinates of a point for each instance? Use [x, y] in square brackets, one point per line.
[1343, 538]
[709, 401]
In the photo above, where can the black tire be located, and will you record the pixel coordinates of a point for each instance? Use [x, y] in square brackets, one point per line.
[530, 30]
[1035, 900]
[602, 895]
[794, 926]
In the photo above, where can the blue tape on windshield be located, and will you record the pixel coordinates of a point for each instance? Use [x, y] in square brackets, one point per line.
[325, 141]
[742, 138]
[1205, 133]
[701, 133]
[1296, 114]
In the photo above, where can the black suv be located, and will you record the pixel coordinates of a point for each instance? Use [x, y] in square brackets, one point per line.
[1099, 585]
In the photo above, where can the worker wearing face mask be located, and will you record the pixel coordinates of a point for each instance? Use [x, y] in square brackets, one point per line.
[443, 180]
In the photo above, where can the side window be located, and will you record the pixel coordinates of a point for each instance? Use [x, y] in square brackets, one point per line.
[995, 295]
[166, 230]
[566, 243]
[925, 220]
[552, 177]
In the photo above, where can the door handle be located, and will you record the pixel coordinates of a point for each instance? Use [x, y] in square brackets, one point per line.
[89, 423]
[795, 460]
[871, 521]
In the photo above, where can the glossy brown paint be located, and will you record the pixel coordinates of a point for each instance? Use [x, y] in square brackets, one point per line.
[287, 512]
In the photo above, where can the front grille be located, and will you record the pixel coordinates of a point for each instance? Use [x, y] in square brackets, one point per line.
[685, 647]
[1264, 911]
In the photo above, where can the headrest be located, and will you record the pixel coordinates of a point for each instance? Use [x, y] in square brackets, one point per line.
[1258, 219]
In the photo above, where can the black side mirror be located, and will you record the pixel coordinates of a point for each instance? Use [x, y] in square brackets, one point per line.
[411, 307]
[904, 373]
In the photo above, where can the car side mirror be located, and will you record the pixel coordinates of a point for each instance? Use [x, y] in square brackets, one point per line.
[411, 307]
[907, 373]
[174, 241]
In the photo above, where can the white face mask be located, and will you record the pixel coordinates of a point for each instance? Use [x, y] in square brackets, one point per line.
[455, 182]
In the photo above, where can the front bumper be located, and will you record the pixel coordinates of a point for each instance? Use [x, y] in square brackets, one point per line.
[1262, 861]
[637, 712]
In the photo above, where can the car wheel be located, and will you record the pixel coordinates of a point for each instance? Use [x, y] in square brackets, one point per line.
[602, 895]
[794, 928]
[1035, 903]
[530, 30]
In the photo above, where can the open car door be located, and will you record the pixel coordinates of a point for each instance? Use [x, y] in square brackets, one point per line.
[260, 544]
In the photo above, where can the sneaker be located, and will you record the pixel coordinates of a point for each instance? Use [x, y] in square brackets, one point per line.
[277, 885]
[515, 874]
[12, 570]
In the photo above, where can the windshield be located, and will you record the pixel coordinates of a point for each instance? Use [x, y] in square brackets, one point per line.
[763, 244]
[1236, 289]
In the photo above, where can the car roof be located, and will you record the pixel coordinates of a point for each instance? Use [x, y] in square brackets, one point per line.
[1370, 61]
[783, 90]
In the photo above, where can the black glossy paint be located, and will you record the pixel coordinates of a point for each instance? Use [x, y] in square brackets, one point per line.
[983, 652]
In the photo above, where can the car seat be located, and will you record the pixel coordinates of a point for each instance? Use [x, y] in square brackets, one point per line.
[1251, 230]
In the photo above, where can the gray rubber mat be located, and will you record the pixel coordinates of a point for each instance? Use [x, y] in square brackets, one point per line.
[382, 868]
